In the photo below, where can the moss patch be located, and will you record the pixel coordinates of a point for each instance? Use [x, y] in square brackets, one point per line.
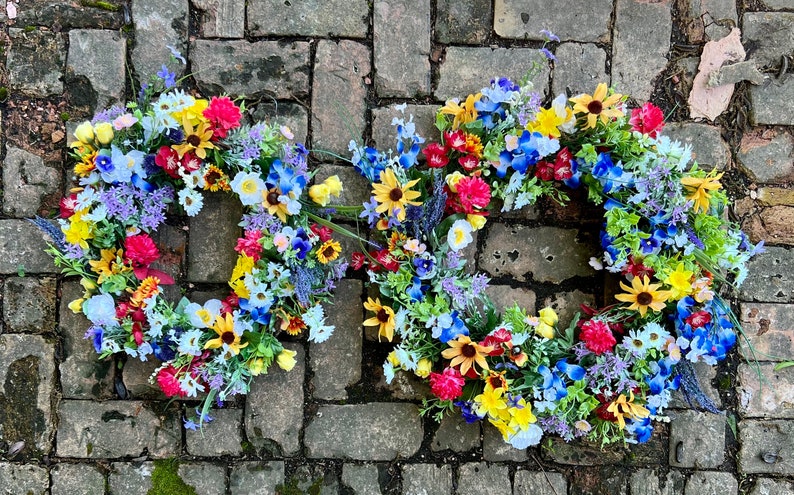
[166, 480]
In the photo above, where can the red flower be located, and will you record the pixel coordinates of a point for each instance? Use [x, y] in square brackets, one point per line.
[168, 159]
[473, 194]
[249, 245]
[597, 336]
[496, 339]
[190, 162]
[223, 115]
[544, 170]
[698, 319]
[563, 169]
[323, 232]
[447, 385]
[436, 155]
[357, 260]
[456, 140]
[648, 120]
[636, 268]
[68, 205]
[386, 260]
[469, 162]
[229, 304]
[168, 382]
[140, 252]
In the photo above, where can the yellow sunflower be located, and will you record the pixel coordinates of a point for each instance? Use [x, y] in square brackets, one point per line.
[329, 251]
[383, 319]
[597, 106]
[643, 295]
[462, 351]
[224, 327]
[393, 196]
[196, 140]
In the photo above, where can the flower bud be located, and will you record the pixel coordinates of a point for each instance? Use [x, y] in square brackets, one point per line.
[84, 133]
[104, 132]
[423, 368]
[334, 185]
[286, 359]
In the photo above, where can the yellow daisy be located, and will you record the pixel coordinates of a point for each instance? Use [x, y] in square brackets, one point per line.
[224, 327]
[643, 295]
[393, 196]
[383, 319]
[597, 106]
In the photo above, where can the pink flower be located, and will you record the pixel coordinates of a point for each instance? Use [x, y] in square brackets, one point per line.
[223, 115]
[648, 120]
[168, 159]
[469, 162]
[597, 336]
[436, 155]
[447, 385]
[698, 319]
[140, 251]
[473, 194]
[249, 245]
[168, 382]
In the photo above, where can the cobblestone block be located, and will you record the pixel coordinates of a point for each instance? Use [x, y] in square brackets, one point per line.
[27, 385]
[172, 243]
[364, 432]
[463, 21]
[427, 479]
[158, 25]
[68, 15]
[116, 429]
[578, 69]
[362, 480]
[483, 479]
[346, 314]
[339, 94]
[770, 395]
[711, 483]
[22, 247]
[256, 477]
[130, 478]
[767, 155]
[402, 47]
[495, 449]
[708, 147]
[355, 189]
[455, 434]
[463, 67]
[205, 478]
[384, 134]
[275, 68]
[95, 70]
[222, 437]
[24, 479]
[773, 103]
[546, 254]
[539, 483]
[710, 19]
[318, 478]
[569, 19]
[764, 445]
[697, 440]
[566, 304]
[27, 182]
[771, 277]
[773, 225]
[770, 330]
[293, 115]
[343, 18]
[779, 4]
[766, 36]
[580, 454]
[772, 196]
[405, 386]
[268, 423]
[641, 41]
[77, 479]
[211, 258]
[35, 61]
[29, 305]
[223, 18]
[504, 296]
[767, 486]
[647, 482]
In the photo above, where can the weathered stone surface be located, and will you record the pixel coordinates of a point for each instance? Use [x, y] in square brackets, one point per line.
[128, 478]
[579, 68]
[223, 18]
[539, 483]
[95, 70]
[427, 479]
[158, 25]
[35, 61]
[697, 440]
[364, 432]
[483, 479]
[764, 446]
[772, 196]
[339, 94]
[647, 482]
[222, 437]
[456, 435]
[172, 243]
[135, 376]
[504, 296]
[29, 305]
[463, 67]
[463, 21]
[779, 4]
[23, 479]
[69, 15]
[256, 477]
[710, 19]
[205, 478]
[767, 155]
[708, 147]
[355, 188]
[211, 258]
[569, 19]
[116, 429]
[711, 483]
[384, 134]
[581, 454]
[346, 314]
[27, 385]
[770, 395]
[495, 449]
[771, 277]
[566, 305]
[401, 42]
[736, 73]
[82, 374]
[766, 36]
[767, 486]
[262, 67]
[546, 254]
[773, 103]
[292, 115]
[273, 428]
[775, 225]
[405, 386]
[361, 479]
[76, 479]
[641, 41]
[343, 18]
[27, 181]
[770, 330]
[22, 247]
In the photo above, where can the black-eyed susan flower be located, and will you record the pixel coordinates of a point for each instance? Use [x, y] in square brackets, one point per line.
[643, 295]
[462, 351]
[227, 338]
[196, 140]
[599, 105]
[383, 319]
[328, 251]
[393, 196]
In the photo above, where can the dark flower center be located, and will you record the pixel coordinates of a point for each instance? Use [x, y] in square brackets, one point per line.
[228, 338]
[595, 107]
[329, 251]
[193, 140]
[468, 351]
[212, 177]
[383, 316]
[644, 298]
[395, 194]
[272, 198]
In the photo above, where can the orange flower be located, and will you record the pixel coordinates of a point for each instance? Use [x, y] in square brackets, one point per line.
[462, 351]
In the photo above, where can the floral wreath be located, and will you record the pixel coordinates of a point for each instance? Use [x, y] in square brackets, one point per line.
[611, 372]
[164, 151]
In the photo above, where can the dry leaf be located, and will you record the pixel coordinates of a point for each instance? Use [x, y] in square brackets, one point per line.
[706, 102]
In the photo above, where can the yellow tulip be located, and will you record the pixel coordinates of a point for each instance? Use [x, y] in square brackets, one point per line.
[476, 221]
[84, 133]
[104, 132]
[320, 194]
[334, 185]
[76, 306]
[423, 368]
